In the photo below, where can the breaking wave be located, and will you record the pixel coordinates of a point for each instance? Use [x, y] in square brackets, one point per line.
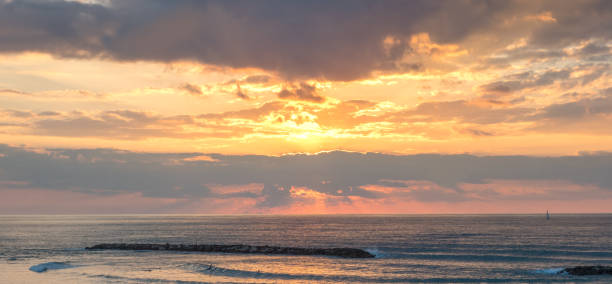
[50, 266]
[555, 270]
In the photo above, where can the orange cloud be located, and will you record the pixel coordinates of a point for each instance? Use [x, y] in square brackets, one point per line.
[254, 188]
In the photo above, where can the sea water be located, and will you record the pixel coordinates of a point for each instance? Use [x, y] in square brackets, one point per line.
[408, 248]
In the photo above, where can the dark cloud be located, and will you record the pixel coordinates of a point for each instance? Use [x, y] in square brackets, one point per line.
[274, 196]
[425, 177]
[10, 124]
[517, 82]
[257, 79]
[551, 76]
[49, 113]
[303, 92]
[478, 132]
[253, 79]
[334, 40]
[513, 84]
[588, 115]
[575, 21]
[19, 113]
[503, 87]
[61, 28]
[597, 71]
[594, 48]
[241, 94]
[192, 89]
[578, 109]
[11, 91]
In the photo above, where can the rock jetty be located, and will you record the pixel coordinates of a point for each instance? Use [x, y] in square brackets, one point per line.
[340, 252]
[588, 270]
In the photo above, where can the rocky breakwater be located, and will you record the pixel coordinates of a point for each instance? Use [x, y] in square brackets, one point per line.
[588, 270]
[340, 252]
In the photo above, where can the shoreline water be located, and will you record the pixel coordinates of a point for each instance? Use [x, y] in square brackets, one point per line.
[484, 248]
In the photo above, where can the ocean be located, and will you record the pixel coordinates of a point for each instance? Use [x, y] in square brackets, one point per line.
[408, 248]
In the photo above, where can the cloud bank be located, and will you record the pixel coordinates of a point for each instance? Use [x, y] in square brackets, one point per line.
[267, 183]
[337, 40]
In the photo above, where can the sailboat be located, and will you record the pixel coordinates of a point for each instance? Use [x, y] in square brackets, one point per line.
[547, 215]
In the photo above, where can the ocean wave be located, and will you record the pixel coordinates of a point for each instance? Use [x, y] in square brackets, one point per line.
[217, 270]
[122, 279]
[50, 266]
[374, 251]
[555, 270]
[462, 257]
[214, 270]
[229, 275]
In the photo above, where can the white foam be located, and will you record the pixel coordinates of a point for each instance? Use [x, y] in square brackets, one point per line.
[375, 252]
[50, 266]
[549, 270]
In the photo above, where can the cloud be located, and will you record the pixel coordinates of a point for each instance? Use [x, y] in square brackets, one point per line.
[587, 115]
[519, 87]
[465, 111]
[13, 92]
[517, 82]
[250, 113]
[575, 22]
[484, 116]
[303, 92]
[578, 109]
[478, 132]
[241, 94]
[345, 114]
[339, 40]
[49, 113]
[592, 49]
[18, 113]
[257, 79]
[252, 79]
[504, 58]
[14, 201]
[192, 89]
[332, 177]
[131, 125]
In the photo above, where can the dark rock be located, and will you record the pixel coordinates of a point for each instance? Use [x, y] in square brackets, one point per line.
[588, 270]
[341, 252]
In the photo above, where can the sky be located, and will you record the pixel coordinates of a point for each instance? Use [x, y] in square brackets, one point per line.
[305, 107]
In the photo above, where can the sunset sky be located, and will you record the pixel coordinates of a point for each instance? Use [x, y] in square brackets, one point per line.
[300, 107]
